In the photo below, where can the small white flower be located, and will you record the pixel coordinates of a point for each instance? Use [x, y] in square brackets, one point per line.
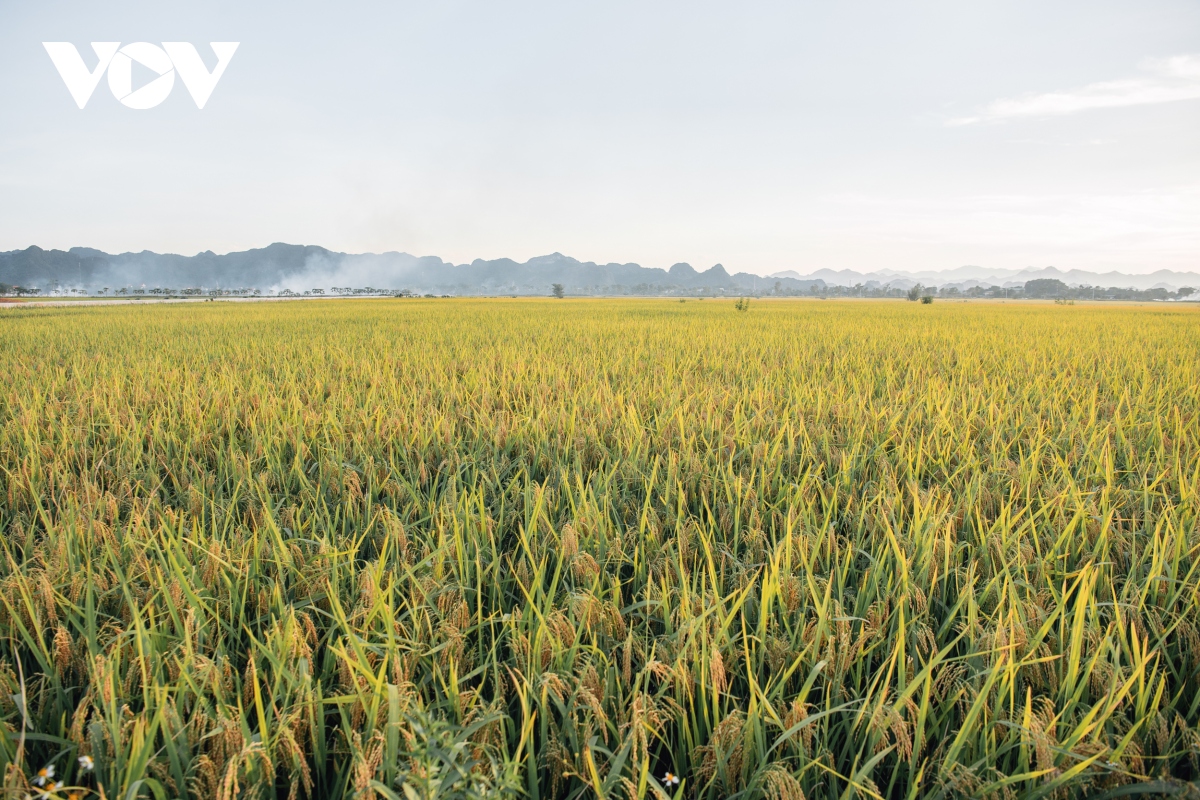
[45, 793]
[86, 763]
[670, 779]
[44, 774]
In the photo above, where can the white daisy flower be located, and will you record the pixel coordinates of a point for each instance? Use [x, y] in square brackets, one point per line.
[44, 774]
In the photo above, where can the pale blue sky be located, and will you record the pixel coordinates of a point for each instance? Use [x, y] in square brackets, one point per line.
[766, 136]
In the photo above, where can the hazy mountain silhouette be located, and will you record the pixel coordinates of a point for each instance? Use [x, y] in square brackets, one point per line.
[300, 267]
[296, 267]
[968, 276]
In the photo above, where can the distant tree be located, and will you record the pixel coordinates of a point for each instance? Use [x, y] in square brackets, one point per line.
[743, 304]
[1045, 287]
[914, 294]
[557, 290]
[1185, 291]
[927, 299]
[778, 287]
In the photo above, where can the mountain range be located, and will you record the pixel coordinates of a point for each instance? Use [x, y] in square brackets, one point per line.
[302, 267]
[967, 276]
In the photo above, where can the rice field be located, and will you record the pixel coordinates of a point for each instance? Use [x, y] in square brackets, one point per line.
[617, 549]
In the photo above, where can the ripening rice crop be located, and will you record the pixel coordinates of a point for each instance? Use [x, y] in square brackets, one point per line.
[559, 549]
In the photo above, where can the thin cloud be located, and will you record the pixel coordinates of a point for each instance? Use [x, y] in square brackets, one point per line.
[1168, 80]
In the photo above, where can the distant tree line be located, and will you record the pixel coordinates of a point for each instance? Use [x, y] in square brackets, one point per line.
[1042, 288]
[1051, 288]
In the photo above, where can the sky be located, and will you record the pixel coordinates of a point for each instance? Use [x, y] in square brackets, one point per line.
[765, 136]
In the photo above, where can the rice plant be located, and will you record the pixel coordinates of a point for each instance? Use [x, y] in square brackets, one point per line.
[627, 549]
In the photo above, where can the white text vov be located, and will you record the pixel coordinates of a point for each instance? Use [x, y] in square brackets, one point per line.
[172, 57]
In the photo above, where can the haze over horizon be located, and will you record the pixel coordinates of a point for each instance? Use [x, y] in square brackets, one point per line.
[305, 268]
[767, 137]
